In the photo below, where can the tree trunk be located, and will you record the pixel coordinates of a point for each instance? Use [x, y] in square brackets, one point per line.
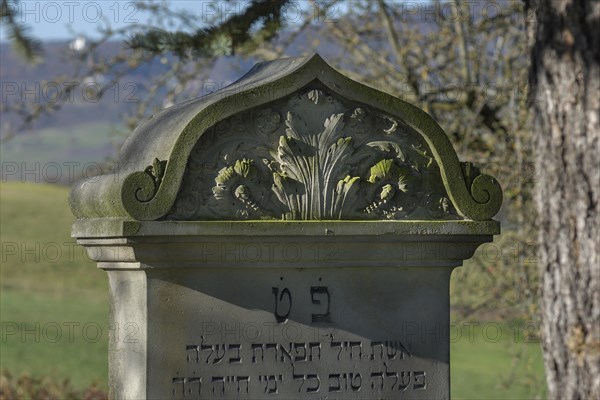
[565, 82]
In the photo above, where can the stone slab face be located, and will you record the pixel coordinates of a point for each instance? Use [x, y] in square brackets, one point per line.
[340, 334]
[289, 237]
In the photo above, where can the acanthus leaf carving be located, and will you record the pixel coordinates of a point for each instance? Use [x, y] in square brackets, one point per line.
[328, 159]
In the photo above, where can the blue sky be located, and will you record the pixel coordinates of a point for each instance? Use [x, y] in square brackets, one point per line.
[64, 19]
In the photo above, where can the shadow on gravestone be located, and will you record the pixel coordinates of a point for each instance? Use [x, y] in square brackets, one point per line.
[289, 236]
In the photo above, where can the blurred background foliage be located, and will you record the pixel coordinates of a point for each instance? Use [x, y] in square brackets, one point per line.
[464, 65]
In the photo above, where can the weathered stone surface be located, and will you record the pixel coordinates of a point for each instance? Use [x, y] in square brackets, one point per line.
[289, 237]
[311, 155]
[162, 151]
[289, 334]
[282, 310]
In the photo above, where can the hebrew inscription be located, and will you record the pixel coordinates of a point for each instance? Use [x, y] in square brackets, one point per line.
[364, 367]
[313, 155]
[320, 362]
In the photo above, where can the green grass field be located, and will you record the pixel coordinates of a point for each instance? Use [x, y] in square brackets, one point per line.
[83, 144]
[46, 280]
[53, 308]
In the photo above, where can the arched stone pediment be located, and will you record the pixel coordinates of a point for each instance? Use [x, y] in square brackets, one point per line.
[293, 139]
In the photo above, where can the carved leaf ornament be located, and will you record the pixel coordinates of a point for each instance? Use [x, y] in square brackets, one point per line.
[295, 140]
[312, 156]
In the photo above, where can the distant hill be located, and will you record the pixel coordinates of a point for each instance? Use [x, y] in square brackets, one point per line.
[81, 131]
[38, 81]
[84, 131]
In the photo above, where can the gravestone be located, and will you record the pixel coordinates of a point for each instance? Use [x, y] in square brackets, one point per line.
[290, 236]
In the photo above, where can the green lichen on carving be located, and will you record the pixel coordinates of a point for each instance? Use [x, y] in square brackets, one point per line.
[382, 170]
[387, 191]
[242, 168]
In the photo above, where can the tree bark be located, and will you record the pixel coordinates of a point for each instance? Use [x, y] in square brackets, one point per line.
[565, 82]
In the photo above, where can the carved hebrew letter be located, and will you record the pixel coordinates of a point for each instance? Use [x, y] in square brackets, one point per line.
[352, 345]
[419, 377]
[196, 380]
[297, 378]
[374, 376]
[256, 346]
[313, 345]
[315, 291]
[179, 381]
[204, 347]
[393, 375]
[271, 346]
[286, 353]
[316, 386]
[404, 351]
[373, 345]
[281, 316]
[391, 350]
[219, 356]
[334, 387]
[215, 382]
[246, 379]
[237, 359]
[393, 347]
[194, 348]
[297, 348]
[404, 380]
[340, 345]
[355, 381]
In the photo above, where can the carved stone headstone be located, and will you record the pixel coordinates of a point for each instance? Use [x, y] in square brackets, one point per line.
[290, 236]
